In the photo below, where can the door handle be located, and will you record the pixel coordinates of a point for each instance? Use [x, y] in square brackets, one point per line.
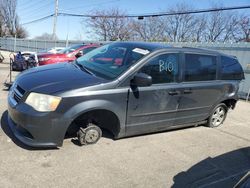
[173, 92]
[187, 91]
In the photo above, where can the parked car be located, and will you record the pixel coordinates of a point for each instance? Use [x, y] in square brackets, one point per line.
[127, 88]
[24, 60]
[66, 55]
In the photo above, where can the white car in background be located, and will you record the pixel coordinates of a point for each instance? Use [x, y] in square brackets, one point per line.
[24, 60]
[30, 56]
[55, 50]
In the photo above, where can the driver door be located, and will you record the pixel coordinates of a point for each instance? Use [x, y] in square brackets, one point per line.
[153, 108]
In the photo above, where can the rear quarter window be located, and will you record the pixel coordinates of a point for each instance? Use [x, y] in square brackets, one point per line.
[231, 69]
[200, 67]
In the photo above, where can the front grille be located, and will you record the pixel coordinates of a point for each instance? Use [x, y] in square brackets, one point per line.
[18, 93]
[21, 90]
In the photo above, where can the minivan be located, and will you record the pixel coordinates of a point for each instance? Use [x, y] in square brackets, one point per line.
[126, 88]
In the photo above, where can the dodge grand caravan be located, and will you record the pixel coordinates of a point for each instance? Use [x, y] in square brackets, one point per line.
[127, 88]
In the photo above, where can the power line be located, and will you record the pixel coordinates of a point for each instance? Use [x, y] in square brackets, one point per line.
[30, 5]
[141, 16]
[31, 13]
[37, 15]
[38, 20]
[158, 14]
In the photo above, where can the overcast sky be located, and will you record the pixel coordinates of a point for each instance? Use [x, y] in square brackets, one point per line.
[30, 10]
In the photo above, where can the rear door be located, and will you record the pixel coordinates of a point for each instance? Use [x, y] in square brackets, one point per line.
[154, 108]
[200, 89]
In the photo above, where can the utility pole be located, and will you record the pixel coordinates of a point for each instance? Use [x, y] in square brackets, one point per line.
[55, 20]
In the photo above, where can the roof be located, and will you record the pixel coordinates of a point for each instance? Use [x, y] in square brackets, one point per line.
[147, 45]
[207, 50]
[152, 46]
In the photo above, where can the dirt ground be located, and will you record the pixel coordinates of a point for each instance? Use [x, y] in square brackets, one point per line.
[191, 157]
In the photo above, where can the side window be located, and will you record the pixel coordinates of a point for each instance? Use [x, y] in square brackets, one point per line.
[200, 67]
[231, 69]
[163, 68]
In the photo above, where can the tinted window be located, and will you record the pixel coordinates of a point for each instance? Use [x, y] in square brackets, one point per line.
[200, 67]
[231, 69]
[162, 69]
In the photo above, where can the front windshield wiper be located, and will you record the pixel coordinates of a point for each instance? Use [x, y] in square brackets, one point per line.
[84, 68]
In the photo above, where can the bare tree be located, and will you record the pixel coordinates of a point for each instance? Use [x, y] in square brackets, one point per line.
[244, 29]
[221, 25]
[231, 27]
[179, 27]
[8, 11]
[9, 20]
[148, 29]
[199, 28]
[46, 36]
[215, 26]
[2, 26]
[20, 31]
[111, 28]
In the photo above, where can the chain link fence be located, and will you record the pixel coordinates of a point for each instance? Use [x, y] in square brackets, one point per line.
[240, 50]
[15, 45]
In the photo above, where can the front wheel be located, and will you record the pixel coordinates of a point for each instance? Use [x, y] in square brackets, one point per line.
[89, 135]
[218, 115]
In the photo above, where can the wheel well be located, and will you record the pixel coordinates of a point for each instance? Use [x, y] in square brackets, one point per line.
[230, 103]
[105, 119]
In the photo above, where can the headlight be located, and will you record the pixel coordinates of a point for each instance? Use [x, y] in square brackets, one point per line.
[70, 55]
[42, 102]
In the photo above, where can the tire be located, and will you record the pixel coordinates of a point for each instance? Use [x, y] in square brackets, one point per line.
[89, 135]
[217, 116]
[24, 66]
[1, 58]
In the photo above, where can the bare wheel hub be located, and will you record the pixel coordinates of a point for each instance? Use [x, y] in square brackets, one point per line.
[92, 136]
[89, 135]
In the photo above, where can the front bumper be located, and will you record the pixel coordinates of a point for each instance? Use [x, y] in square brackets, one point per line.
[36, 129]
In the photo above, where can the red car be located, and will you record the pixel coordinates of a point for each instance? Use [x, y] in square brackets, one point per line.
[66, 55]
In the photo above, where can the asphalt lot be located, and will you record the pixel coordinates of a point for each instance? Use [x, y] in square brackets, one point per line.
[191, 157]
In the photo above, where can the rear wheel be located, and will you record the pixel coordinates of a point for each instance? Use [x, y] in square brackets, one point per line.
[218, 116]
[89, 135]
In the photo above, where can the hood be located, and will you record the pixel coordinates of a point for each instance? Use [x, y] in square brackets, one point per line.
[55, 78]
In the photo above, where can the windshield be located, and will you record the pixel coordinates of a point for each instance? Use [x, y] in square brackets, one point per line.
[111, 60]
[69, 49]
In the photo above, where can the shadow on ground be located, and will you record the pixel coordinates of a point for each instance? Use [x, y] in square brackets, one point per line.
[222, 171]
[9, 133]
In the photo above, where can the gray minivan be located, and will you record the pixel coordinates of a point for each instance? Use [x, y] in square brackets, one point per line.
[126, 88]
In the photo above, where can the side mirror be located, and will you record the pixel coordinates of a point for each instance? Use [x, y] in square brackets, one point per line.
[141, 80]
[78, 54]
